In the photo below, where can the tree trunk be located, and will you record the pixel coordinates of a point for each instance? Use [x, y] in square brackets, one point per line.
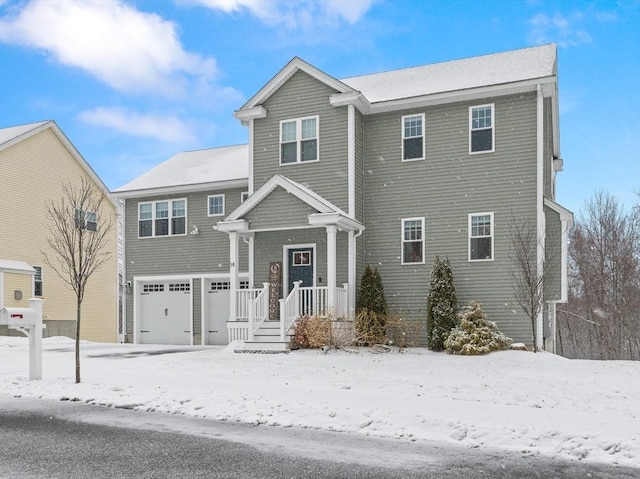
[78, 308]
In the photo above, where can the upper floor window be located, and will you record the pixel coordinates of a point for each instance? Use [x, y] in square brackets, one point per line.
[216, 205]
[412, 240]
[86, 220]
[162, 218]
[299, 140]
[37, 281]
[481, 237]
[481, 129]
[413, 137]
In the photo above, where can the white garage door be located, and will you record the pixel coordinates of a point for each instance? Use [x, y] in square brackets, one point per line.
[165, 313]
[217, 310]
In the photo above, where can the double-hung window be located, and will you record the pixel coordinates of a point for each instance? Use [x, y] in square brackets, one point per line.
[412, 240]
[162, 218]
[481, 129]
[37, 281]
[299, 140]
[216, 205]
[481, 237]
[86, 220]
[413, 137]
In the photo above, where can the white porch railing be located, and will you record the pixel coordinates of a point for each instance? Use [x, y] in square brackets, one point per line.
[258, 311]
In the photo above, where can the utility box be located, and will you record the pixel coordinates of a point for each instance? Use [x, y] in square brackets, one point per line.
[18, 317]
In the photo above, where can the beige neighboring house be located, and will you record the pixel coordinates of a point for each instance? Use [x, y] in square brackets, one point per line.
[35, 161]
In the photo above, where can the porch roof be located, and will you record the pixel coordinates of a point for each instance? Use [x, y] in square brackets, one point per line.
[327, 212]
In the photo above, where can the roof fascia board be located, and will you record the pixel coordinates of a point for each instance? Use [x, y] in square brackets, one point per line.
[165, 190]
[337, 219]
[239, 226]
[463, 95]
[295, 65]
[254, 113]
[561, 210]
[351, 98]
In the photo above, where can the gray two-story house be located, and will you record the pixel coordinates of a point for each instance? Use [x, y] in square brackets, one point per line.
[389, 169]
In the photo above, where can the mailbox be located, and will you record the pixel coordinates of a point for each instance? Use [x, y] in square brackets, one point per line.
[18, 317]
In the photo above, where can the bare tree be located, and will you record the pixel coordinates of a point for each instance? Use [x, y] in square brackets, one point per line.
[527, 272]
[601, 319]
[78, 235]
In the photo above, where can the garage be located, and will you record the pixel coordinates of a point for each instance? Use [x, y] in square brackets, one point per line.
[165, 312]
[217, 298]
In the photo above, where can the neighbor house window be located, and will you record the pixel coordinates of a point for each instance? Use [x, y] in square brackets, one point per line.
[413, 137]
[37, 281]
[412, 240]
[481, 134]
[86, 220]
[299, 140]
[162, 218]
[481, 237]
[216, 205]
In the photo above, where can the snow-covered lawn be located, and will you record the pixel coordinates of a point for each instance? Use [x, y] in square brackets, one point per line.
[514, 400]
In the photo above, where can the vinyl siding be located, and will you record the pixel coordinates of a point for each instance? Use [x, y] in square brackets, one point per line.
[328, 176]
[279, 209]
[23, 233]
[553, 247]
[444, 189]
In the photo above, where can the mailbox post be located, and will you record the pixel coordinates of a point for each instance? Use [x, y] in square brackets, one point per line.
[29, 322]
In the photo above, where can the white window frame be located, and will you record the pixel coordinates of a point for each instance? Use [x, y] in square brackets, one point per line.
[86, 220]
[403, 241]
[299, 140]
[170, 218]
[424, 155]
[209, 205]
[492, 127]
[492, 236]
[38, 274]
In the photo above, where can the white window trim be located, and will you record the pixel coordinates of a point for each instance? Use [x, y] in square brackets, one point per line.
[493, 128]
[170, 217]
[223, 205]
[299, 140]
[493, 236]
[402, 240]
[424, 151]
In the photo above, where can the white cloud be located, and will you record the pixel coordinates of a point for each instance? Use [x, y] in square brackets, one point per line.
[161, 127]
[558, 29]
[293, 14]
[129, 50]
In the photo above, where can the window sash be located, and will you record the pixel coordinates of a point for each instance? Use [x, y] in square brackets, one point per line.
[162, 218]
[481, 132]
[216, 205]
[299, 140]
[413, 137]
[481, 237]
[412, 240]
[37, 281]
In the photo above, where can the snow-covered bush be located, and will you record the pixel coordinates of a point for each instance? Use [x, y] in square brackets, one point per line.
[475, 334]
[442, 304]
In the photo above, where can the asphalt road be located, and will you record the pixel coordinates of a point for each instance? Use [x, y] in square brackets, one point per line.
[44, 439]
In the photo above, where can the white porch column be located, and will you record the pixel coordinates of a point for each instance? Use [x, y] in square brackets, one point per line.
[233, 273]
[331, 266]
[351, 275]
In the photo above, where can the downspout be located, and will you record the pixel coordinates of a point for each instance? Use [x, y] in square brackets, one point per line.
[351, 179]
[250, 186]
[540, 219]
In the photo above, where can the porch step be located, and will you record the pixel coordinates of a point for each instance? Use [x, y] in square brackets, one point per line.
[264, 347]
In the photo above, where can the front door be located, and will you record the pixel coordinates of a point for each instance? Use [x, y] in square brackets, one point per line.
[300, 267]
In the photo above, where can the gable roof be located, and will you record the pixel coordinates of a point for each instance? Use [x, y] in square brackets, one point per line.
[328, 213]
[226, 166]
[16, 134]
[486, 70]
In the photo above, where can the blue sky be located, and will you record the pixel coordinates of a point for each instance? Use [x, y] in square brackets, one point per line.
[133, 82]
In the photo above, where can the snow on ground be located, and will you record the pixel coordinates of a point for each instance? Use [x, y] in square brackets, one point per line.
[535, 404]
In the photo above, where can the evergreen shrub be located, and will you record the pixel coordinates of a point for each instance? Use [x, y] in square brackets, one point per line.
[475, 334]
[442, 304]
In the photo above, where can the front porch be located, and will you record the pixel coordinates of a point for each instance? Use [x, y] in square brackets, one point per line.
[261, 326]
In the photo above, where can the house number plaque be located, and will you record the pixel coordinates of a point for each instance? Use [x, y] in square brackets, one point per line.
[275, 277]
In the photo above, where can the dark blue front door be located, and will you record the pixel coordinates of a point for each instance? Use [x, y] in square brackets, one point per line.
[300, 268]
